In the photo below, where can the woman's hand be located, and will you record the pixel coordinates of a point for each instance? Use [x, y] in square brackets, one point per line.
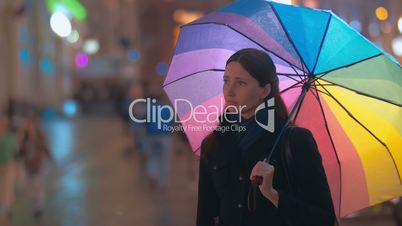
[266, 171]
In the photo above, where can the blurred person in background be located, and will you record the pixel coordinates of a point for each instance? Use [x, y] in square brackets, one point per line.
[183, 148]
[159, 140]
[138, 130]
[8, 151]
[33, 154]
[121, 103]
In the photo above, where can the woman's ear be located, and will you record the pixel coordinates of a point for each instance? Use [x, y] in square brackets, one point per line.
[266, 91]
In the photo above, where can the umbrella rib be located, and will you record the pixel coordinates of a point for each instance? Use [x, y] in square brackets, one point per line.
[372, 134]
[322, 42]
[291, 87]
[287, 35]
[287, 74]
[313, 93]
[333, 146]
[298, 73]
[295, 71]
[358, 92]
[230, 27]
[298, 109]
[352, 64]
[218, 70]
[291, 77]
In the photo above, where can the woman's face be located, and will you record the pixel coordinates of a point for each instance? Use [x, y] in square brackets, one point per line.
[242, 91]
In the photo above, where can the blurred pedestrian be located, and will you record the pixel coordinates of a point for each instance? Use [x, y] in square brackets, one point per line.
[138, 112]
[33, 154]
[159, 139]
[8, 151]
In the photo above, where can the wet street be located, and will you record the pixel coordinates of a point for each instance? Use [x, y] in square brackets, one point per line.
[92, 181]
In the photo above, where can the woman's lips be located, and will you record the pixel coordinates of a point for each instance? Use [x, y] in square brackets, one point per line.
[230, 103]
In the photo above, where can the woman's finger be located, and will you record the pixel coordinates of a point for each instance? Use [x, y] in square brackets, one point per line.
[261, 169]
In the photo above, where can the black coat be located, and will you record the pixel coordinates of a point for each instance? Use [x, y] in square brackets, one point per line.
[224, 184]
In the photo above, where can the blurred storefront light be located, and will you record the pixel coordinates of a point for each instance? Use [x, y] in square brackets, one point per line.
[70, 108]
[91, 46]
[381, 13]
[60, 24]
[134, 55]
[81, 60]
[73, 37]
[400, 25]
[162, 68]
[47, 66]
[397, 46]
[386, 27]
[183, 16]
[74, 7]
[311, 3]
[357, 25]
[24, 56]
[374, 29]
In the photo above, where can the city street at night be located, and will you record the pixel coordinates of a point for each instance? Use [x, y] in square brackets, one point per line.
[200, 112]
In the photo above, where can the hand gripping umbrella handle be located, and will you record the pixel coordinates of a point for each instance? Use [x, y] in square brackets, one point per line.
[257, 180]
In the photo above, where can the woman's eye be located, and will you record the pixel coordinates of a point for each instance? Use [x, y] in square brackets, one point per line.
[241, 83]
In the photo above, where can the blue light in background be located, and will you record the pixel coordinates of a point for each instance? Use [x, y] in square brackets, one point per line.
[24, 55]
[134, 55]
[162, 68]
[47, 66]
[48, 114]
[70, 108]
[61, 140]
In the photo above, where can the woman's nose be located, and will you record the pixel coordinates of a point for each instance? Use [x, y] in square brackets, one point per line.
[230, 91]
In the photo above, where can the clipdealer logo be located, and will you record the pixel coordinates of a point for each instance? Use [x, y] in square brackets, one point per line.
[270, 124]
[163, 115]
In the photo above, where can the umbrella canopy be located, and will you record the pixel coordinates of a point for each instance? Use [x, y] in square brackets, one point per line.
[353, 105]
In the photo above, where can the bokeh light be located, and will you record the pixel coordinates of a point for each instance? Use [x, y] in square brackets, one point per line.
[311, 3]
[162, 68]
[60, 24]
[70, 108]
[183, 16]
[74, 7]
[73, 37]
[47, 66]
[134, 55]
[386, 27]
[24, 55]
[81, 60]
[381, 13]
[357, 25]
[374, 29]
[91, 46]
[397, 46]
[400, 25]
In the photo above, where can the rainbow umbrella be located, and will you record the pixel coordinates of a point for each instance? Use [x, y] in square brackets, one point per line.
[347, 91]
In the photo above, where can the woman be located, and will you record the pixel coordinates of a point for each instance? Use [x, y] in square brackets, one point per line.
[231, 159]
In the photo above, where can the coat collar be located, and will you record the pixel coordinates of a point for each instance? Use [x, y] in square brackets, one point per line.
[256, 152]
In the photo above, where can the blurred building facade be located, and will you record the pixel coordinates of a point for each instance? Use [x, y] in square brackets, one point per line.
[135, 38]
